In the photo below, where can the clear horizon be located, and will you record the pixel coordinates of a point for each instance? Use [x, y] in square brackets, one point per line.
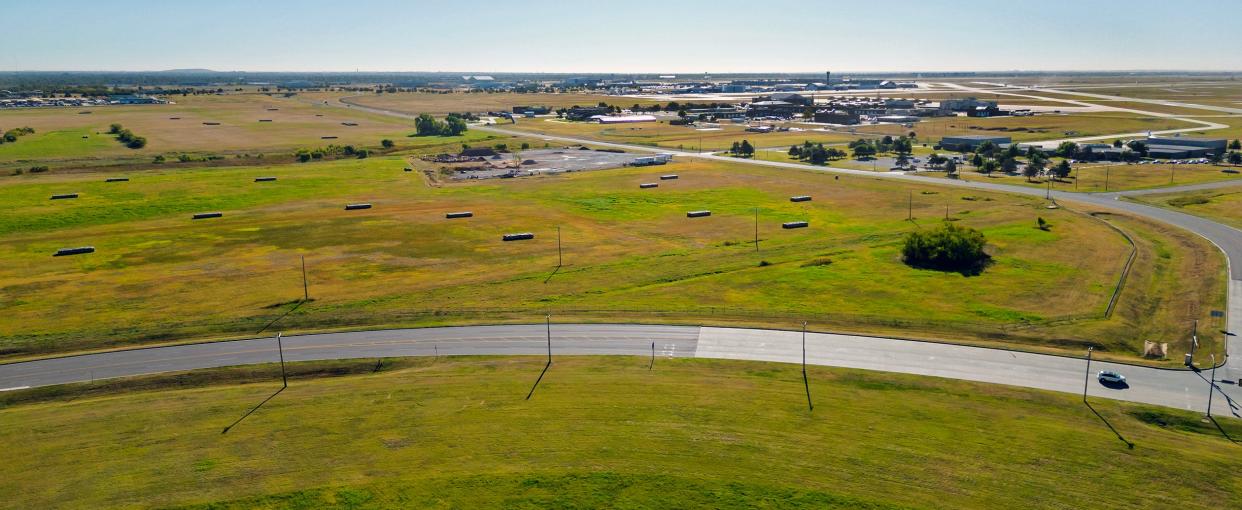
[690, 37]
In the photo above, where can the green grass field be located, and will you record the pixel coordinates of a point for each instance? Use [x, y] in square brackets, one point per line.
[630, 255]
[64, 136]
[601, 432]
[1223, 204]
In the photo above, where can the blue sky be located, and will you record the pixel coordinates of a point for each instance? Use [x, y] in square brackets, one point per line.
[687, 36]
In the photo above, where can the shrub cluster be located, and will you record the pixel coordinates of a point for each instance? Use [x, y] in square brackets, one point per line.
[127, 137]
[426, 125]
[948, 248]
[11, 135]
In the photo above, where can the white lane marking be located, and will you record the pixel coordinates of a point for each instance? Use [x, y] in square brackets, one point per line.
[15, 388]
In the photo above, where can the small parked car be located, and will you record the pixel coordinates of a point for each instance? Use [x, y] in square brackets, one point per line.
[1110, 377]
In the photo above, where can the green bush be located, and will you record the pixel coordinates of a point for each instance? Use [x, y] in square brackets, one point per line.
[948, 248]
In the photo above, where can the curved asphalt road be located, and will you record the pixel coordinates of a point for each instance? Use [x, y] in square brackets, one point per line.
[1173, 388]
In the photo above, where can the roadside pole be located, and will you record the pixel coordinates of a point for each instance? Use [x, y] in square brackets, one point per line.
[284, 377]
[1086, 378]
[1211, 387]
[305, 285]
[805, 382]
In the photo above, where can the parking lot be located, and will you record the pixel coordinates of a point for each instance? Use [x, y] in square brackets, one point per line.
[544, 161]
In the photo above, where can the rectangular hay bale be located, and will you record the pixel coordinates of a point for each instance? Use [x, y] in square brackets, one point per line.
[800, 198]
[354, 207]
[646, 185]
[698, 214]
[205, 215]
[264, 179]
[668, 177]
[518, 237]
[462, 214]
[795, 224]
[64, 196]
[74, 251]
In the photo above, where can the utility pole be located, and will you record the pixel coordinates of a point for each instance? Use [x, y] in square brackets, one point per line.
[305, 285]
[284, 378]
[1087, 376]
[1106, 169]
[652, 364]
[806, 383]
[558, 246]
[1211, 387]
[756, 230]
[910, 208]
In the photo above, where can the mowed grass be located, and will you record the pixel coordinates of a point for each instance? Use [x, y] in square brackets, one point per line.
[1223, 205]
[629, 255]
[64, 134]
[607, 432]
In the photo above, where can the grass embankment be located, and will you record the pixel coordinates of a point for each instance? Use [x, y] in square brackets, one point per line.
[606, 432]
[630, 255]
[1223, 205]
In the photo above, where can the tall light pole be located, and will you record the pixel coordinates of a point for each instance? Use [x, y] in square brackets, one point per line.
[558, 246]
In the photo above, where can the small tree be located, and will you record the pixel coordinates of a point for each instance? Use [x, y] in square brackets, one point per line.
[988, 167]
[1062, 170]
[1235, 145]
[950, 168]
[1235, 158]
[1034, 168]
[747, 149]
[976, 161]
[902, 159]
[1043, 224]
[114, 129]
[386, 143]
